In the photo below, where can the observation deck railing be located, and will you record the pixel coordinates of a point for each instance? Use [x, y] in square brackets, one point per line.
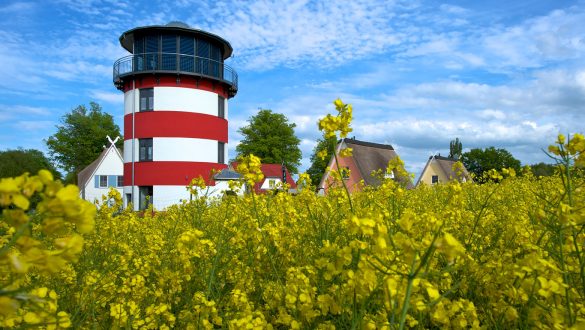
[175, 63]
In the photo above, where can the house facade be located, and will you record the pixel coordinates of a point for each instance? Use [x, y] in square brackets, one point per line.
[366, 158]
[440, 169]
[274, 174]
[106, 172]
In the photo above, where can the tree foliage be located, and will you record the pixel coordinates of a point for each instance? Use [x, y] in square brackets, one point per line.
[269, 136]
[318, 164]
[16, 162]
[478, 161]
[455, 149]
[543, 169]
[80, 138]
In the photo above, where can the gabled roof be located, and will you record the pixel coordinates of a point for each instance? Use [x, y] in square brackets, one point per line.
[87, 173]
[270, 171]
[371, 157]
[446, 165]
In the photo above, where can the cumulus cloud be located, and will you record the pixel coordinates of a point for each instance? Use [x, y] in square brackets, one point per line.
[556, 36]
[116, 98]
[270, 33]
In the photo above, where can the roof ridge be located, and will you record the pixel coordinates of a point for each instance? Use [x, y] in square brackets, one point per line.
[439, 157]
[367, 144]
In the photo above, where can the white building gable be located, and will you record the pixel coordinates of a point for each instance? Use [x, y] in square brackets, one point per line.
[106, 171]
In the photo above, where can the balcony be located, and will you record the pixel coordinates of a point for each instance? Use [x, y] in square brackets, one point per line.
[171, 63]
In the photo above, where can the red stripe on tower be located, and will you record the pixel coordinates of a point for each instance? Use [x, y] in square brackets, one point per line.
[176, 124]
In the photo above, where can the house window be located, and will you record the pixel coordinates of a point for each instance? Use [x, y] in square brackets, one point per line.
[344, 172]
[435, 179]
[145, 150]
[147, 99]
[221, 152]
[389, 175]
[144, 197]
[103, 181]
[120, 181]
[220, 107]
[271, 183]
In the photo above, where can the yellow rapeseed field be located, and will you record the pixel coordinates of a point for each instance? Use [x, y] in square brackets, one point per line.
[505, 254]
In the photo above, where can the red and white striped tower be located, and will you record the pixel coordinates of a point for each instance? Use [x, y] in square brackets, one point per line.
[176, 88]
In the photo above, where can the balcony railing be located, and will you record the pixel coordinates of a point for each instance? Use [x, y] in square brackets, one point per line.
[174, 63]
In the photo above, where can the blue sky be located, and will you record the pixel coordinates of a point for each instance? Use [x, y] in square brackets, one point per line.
[509, 74]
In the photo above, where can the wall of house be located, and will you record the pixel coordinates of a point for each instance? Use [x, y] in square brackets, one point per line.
[112, 166]
[433, 169]
[266, 184]
[354, 178]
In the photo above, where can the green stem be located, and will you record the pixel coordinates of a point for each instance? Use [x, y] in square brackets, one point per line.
[406, 303]
[343, 183]
[14, 238]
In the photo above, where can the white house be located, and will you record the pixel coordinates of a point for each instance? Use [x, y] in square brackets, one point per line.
[439, 169]
[106, 171]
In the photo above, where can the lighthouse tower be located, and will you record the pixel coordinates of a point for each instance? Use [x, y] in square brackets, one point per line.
[176, 88]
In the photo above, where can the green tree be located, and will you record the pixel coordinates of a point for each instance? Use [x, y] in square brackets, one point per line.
[16, 162]
[543, 169]
[269, 136]
[318, 164]
[478, 161]
[80, 137]
[455, 149]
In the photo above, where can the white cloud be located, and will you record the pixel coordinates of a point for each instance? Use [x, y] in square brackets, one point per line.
[452, 9]
[270, 33]
[109, 97]
[489, 114]
[557, 36]
[12, 110]
[33, 125]
[16, 7]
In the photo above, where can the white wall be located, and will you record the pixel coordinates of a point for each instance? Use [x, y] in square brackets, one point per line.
[111, 165]
[165, 196]
[185, 99]
[266, 183]
[184, 150]
[176, 99]
[128, 102]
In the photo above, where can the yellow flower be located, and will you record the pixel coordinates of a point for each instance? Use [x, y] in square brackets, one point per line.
[331, 125]
[347, 152]
[433, 293]
[8, 306]
[32, 318]
[251, 169]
